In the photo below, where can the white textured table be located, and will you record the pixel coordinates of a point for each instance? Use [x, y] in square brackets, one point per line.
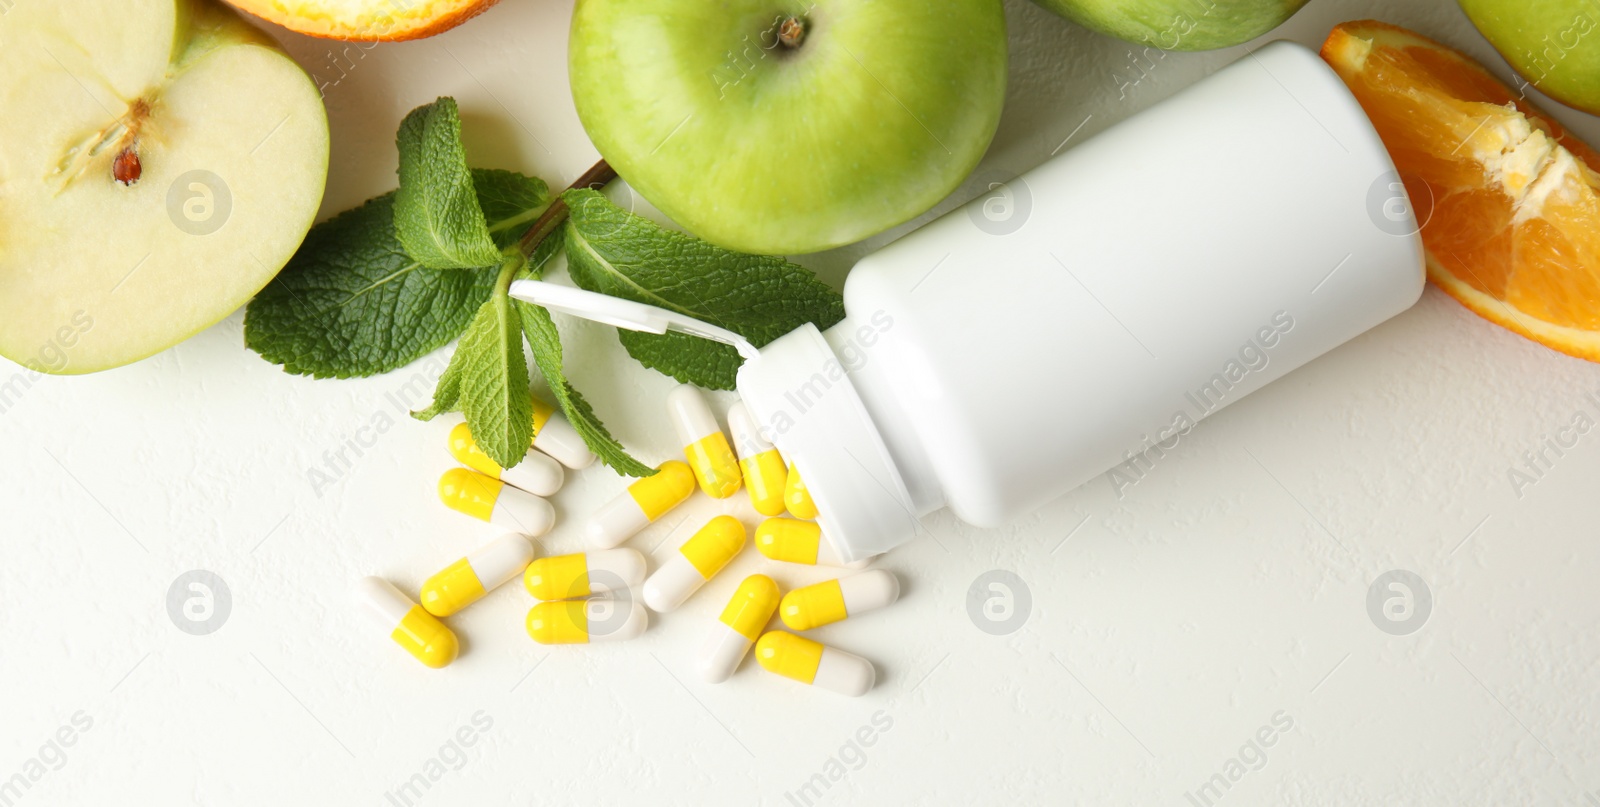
[1223, 597]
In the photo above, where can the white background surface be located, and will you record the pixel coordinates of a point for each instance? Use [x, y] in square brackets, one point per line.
[1166, 627]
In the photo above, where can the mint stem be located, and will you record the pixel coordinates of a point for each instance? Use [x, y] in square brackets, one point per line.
[508, 270]
[595, 178]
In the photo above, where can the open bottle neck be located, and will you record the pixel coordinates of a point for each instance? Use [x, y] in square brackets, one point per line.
[806, 403]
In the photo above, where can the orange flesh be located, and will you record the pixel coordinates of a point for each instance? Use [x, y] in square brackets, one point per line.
[1509, 200]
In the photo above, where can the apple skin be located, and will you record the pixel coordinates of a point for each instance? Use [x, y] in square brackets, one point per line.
[1554, 44]
[231, 144]
[1178, 24]
[881, 111]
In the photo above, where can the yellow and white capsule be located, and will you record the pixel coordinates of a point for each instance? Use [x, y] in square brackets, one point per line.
[764, 471]
[698, 560]
[570, 577]
[704, 444]
[814, 663]
[553, 435]
[538, 473]
[832, 600]
[488, 499]
[646, 499]
[419, 632]
[740, 625]
[793, 541]
[467, 580]
[796, 497]
[585, 621]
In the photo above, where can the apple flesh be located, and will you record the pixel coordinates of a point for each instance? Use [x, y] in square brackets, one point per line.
[1554, 44]
[1178, 24]
[789, 126]
[366, 20]
[160, 161]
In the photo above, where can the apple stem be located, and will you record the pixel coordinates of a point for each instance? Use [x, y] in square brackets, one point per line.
[792, 32]
[596, 177]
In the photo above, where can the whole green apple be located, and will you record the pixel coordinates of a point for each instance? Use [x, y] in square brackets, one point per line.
[1554, 44]
[789, 126]
[1178, 24]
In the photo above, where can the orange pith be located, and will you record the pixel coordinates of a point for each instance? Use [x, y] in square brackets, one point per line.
[1509, 200]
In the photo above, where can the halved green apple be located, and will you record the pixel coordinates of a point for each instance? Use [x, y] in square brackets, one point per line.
[160, 161]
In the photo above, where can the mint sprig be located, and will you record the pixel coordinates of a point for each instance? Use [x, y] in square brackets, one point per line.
[388, 282]
[383, 285]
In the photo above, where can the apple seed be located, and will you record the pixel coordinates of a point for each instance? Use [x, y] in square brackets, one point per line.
[126, 168]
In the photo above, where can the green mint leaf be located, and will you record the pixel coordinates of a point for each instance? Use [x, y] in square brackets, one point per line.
[760, 297]
[493, 382]
[546, 344]
[436, 210]
[511, 202]
[352, 303]
[447, 394]
[689, 359]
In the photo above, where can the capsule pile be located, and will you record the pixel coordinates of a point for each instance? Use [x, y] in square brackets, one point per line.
[579, 594]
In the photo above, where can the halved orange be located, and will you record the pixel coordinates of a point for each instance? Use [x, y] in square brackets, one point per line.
[1509, 200]
[365, 20]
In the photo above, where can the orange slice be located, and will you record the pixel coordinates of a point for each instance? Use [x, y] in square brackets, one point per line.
[1509, 200]
[365, 20]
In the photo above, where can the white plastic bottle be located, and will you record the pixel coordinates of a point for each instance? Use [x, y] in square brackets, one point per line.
[1143, 279]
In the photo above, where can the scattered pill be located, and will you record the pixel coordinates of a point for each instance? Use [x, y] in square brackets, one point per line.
[764, 473]
[740, 625]
[797, 498]
[645, 500]
[467, 580]
[538, 473]
[704, 444]
[794, 541]
[419, 632]
[488, 499]
[698, 560]
[814, 663]
[553, 435]
[832, 600]
[568, 577]
[585, 621]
